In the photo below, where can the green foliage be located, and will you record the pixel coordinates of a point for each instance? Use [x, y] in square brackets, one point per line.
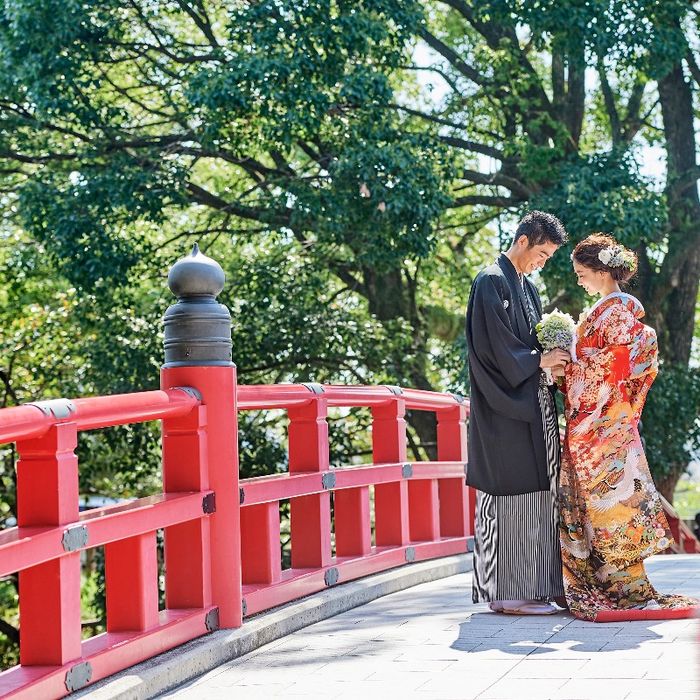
[600, 193]
[670, 419]
[385, 191]
[84, 217]
[289, 65]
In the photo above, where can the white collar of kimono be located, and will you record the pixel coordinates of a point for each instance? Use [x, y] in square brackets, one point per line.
[623, 295]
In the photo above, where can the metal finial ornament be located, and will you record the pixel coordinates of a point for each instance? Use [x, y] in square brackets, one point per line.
[197, 327]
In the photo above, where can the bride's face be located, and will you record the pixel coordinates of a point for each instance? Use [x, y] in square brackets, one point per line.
[593, 281]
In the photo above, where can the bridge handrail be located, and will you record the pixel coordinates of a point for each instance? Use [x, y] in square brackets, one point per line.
[421, 510]
[33, 420]
[270, 396]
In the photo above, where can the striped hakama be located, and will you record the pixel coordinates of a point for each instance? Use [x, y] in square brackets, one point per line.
[516, 538]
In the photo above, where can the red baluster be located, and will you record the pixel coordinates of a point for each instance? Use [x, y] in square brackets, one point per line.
[187, 545]
[310, 515]
[424, 509]
[353, 533]
[390, 500]
[217, 386]
[49, 594]
[260, 543]
[131, 583]
[456, 500]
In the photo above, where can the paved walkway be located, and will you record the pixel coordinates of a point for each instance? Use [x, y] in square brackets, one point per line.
[430, 642]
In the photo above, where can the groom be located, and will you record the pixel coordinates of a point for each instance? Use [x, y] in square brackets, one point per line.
[513, 432]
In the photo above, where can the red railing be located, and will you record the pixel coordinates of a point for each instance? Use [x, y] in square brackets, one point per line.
[222, 540]
[685, 541]
[421, 509]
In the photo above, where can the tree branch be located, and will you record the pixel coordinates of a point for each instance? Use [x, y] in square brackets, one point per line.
[433, 69]
[497, 179]
[452, 56]
[632, 121]
[486, 200]
[693, 67]
[11, 632]
[610, 106]
[209, 199]
[202, 23]
[467, 145]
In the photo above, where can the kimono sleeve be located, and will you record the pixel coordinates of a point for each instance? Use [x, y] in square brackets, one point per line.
[622, 329]
[493, 339]
[626, 357]
[643, 367]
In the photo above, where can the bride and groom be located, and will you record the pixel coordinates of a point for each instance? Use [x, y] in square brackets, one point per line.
[569, 525]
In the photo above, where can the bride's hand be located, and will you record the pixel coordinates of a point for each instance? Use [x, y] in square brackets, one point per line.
[554, 358]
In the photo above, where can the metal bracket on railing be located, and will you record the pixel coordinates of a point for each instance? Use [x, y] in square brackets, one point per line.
[209, 503]
[58, 408]
[211, 620]
[410, 554]
[74, 538]
[331, 576]
[407, 471]
[466, 473]
[244, 607]
[241, 495]
[191, 391]
[457, 397]
[396, 390]
[78, 676]
[328, 480]
[313, 387]
[470, 544]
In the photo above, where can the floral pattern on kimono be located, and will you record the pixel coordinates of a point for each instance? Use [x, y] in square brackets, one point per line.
[611, 517]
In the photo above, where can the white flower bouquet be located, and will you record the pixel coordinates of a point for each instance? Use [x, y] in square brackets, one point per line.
[556, 330]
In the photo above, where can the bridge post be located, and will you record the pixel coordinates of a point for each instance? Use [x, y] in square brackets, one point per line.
[456, 499]
[310, 515]
[391, 523]
[49, 593]
[200, 452]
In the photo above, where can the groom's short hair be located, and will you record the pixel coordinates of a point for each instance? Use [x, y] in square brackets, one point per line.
[540, 227]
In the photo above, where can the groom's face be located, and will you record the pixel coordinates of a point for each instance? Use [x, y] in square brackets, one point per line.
[535, 256]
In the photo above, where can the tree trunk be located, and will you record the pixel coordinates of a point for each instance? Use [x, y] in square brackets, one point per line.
[676, 289]
[576, 96]
[666, 485]
[390, 297]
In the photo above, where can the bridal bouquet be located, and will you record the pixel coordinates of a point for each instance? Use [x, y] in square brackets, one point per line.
[556, 330]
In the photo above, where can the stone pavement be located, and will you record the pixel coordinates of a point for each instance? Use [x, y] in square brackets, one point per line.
[430, 642]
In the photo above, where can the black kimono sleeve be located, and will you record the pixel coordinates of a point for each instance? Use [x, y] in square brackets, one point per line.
[500, 363]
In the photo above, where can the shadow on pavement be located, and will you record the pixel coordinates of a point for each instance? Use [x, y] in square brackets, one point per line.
[558, 635]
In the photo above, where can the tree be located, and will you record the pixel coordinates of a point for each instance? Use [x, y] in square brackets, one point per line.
[125, 127]
[516, 96]
[266, 117]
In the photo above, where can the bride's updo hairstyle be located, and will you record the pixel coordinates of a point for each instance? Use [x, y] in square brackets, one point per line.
[602, 252]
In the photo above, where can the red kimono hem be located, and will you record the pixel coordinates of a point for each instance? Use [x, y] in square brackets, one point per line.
[632, 614]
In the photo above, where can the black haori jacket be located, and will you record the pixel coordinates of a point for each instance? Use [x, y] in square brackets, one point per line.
[507, 453]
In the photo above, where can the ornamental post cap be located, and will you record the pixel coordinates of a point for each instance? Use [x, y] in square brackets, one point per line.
[196, 275]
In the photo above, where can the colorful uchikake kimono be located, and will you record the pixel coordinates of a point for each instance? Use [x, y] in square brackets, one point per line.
[611, 517]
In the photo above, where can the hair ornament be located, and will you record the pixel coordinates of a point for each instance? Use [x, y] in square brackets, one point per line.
[614, 256]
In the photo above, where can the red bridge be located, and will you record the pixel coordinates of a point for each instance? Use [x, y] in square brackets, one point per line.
[222, 544]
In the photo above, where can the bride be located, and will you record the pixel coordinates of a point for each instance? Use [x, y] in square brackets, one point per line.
[611, 517]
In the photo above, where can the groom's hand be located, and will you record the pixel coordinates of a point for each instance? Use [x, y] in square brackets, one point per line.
[557, 371]
[554, 357]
